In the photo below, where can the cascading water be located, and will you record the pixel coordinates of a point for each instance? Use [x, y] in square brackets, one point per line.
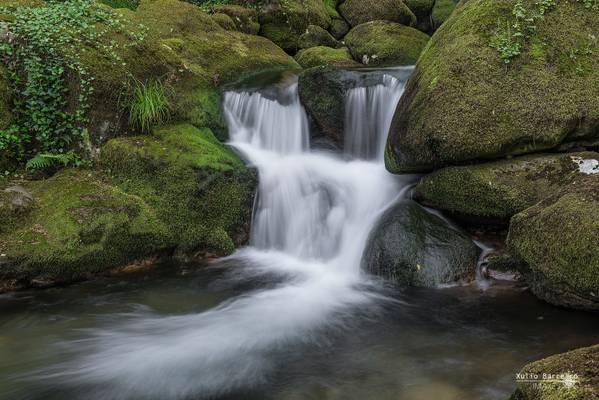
[312, 219]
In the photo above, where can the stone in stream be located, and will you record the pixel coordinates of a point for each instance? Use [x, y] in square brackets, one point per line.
[464, 103]
[384, 43]
[321, 55]
[413, 247]
[558, 239]
[317, 36]
[566, 376]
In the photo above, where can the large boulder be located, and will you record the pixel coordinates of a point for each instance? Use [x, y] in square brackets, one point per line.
[317, 36]
[357, 12]
[422, 9]
[465, 103]
[572, 375]
[413, 247]
[283, 21]
[498, 190]
[383, 43]
[558, 239]
[339, 28]
[321, 55]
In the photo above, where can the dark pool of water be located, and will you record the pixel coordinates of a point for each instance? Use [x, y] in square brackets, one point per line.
[450, 344]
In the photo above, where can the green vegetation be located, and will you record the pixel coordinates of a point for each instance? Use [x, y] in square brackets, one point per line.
[322, 55]
[150, 105]
[47, 160]
[51, 84]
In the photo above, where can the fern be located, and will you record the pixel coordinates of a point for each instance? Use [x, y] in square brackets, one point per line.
[150, 105]
[47, 160]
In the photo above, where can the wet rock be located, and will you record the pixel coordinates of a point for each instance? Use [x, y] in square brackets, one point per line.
[412, 247]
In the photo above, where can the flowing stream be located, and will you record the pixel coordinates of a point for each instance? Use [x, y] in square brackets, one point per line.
[294, 296]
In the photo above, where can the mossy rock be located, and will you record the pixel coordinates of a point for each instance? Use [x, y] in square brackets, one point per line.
[498, 190]
[322, 55]
[383, 43]
[130, 4]
[357, 12]
[331, 7]
[245, 19]
[412, 247]
[317, 36]
[224, 21]
[463, 103]
[339, 28]
[442, 11]
[5, 99]
[580, 365]
[558, 240]
[282, 35]
[80, 225]
[420, 8]
[199, 188]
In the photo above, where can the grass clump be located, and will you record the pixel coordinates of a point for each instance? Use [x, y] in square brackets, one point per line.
[150, 105]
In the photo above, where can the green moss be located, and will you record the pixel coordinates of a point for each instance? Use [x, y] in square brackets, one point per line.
[200, 189]
[331, 7]
[245, 19]
[130, 4]
[316, 36]
[224, 21]
[462, 103]
[322, 55]
[80, 225]
[357, 12]
[442, 10]
[282, 35]
[382, 43]
[584, 363]
[557, 238]
[421, 8]
[498, 190]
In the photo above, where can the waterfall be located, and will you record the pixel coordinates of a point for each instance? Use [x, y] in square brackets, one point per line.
[312, 219]
[368, 115]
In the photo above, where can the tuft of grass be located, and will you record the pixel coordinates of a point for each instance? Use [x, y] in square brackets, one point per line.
[150, 105]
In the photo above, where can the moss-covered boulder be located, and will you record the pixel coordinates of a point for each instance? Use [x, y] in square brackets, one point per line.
[412, 247]
[558, 239]
[317, 36]
[224, 21]
[465, 103]
[322, 55]
[245, 19]
[357, 12]
[498, 190]
[199, 188]
[339, 28]
[283, 21]
[442, 11]
[80, 226]
[422, 9]
[568, 376]
[383, 43]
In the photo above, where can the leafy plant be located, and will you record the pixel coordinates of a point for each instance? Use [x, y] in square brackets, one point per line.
[47, 160]
[507, 44]
[150, 105]
[52, 86]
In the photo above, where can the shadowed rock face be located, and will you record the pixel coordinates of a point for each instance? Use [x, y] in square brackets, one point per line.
[464, 104]
[415, 248]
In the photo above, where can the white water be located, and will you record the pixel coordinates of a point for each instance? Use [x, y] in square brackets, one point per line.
[312, 219]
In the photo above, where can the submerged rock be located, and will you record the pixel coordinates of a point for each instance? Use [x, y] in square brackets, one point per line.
[412, 247]
[357, 12]
[464, 103]
[572, 375]
[558, 239]
[383, 43]
[321, 55]
[498, 190]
